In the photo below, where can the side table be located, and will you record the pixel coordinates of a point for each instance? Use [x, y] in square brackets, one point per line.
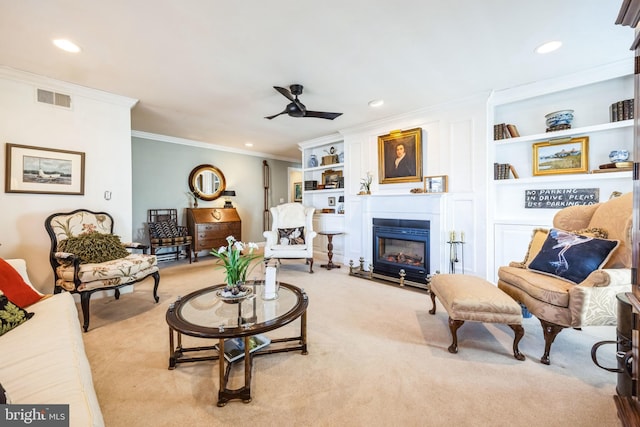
[329, 265]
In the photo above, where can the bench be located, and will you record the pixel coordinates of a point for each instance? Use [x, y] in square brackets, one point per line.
[474, 299]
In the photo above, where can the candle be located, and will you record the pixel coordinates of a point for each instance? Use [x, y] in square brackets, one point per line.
[462, 236]
[270, 283]
[453, 236]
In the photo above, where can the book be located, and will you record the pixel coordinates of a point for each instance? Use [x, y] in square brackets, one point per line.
[234, 347]
[513, 131]
[513, 172]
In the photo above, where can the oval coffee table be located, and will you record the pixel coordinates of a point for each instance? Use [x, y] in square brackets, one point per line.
[202, 314]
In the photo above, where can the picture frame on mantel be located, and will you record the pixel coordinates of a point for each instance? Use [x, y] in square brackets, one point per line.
[41, 170]
[400, 156]
[561, 156]
[435, 184]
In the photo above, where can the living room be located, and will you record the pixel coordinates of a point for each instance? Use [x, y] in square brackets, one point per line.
[129, 170]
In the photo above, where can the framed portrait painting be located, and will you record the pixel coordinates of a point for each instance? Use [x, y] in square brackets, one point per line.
[400, 156]
[551, 158]
[43, 170]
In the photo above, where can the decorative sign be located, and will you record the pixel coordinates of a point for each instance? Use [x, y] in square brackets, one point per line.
[559, 198]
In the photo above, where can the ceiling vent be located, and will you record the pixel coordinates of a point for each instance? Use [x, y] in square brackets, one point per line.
[53, 98]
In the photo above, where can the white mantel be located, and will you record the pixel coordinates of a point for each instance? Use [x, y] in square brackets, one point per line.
[426, 207]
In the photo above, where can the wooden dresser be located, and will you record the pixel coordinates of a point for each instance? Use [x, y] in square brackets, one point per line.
[211, 226]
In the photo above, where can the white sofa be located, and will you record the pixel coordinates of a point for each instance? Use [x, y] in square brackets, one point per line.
[43, 360]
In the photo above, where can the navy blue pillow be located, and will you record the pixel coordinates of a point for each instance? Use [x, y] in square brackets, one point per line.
[572, 256]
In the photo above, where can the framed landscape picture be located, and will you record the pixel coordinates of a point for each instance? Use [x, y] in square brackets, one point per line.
[551, 158]
[297, 191]
[435, 184]
[43, 170]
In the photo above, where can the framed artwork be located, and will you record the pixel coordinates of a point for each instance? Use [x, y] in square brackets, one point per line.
[551, 158]
[435, 184]
[43, 170]
[331, 201]
[400, 156]
[331, 178]
[297, 191]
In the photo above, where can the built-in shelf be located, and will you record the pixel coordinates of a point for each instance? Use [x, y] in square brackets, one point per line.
[550, 136]
[564, 178]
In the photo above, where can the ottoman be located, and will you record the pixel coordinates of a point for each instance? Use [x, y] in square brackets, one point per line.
[476, 300]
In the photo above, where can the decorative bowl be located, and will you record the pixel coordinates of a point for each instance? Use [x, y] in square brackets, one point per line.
[618, 156]
[229, 298]
[562, 117]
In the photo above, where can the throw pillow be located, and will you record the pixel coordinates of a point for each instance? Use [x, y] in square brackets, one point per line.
[163, 230]
[291, 236]
[14, 287]
[94, 247]
[11, 315]
[537, 240]
[572, 256]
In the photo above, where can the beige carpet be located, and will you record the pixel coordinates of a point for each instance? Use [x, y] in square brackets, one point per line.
[376, 358]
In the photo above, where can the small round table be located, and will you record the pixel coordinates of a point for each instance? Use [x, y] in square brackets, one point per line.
[329, 265]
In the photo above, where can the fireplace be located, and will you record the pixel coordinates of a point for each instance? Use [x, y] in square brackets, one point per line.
[401, 244]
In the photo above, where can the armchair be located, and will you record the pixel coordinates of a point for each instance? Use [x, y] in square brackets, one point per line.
[291, 235]
[86, 257]
[558, 302]
[164, 232]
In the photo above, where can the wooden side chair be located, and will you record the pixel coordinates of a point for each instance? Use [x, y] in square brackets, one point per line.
[164, 232]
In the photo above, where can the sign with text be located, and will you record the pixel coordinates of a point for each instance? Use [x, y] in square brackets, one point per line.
[559, 198]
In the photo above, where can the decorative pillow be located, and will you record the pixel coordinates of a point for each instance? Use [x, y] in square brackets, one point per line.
[163, 229]
[14, 287]
[11, 315]
[94, 247]
[291, 236]
[537, 239]
[572, 256]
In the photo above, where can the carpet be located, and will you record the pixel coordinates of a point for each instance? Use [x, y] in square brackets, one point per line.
[376, 358]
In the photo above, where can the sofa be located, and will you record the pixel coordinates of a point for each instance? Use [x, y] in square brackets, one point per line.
[43, 359]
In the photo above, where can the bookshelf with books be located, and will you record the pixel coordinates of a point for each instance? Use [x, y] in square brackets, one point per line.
[594, 96]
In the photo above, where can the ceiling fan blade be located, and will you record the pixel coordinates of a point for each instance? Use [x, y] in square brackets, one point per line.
[322, 115]
[276, 115]
[285, 92]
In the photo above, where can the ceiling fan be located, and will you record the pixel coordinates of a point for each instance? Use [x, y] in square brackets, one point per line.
[297, 108]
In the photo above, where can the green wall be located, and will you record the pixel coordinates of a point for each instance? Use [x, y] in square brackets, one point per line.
[160, 180]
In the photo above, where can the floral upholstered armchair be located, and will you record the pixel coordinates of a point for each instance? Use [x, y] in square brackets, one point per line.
[573, 272]
[87, 257]
[291, 235]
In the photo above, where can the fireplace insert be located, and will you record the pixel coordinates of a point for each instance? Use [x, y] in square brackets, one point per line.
[401, 244]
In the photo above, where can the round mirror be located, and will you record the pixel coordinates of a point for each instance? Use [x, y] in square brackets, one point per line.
[206, 182]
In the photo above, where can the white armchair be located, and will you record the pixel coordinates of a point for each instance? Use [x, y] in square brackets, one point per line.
[291, 235]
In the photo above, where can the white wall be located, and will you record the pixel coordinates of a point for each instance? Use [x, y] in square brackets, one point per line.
[98, 124]
[454, 145]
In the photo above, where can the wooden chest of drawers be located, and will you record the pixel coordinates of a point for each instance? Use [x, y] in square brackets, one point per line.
[211, 226]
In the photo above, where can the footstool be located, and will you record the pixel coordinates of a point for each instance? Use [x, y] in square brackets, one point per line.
[476, 300]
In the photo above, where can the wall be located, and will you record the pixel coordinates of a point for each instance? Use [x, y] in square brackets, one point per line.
[97, 124]
[161, 168]
[453, 138]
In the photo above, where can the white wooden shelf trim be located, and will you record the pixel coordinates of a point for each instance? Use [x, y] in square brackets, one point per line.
[564, 178]
[549, 136]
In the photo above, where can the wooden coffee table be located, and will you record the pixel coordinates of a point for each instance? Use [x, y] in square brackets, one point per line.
[202, 314]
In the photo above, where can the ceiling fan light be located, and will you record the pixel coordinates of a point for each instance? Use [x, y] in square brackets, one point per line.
[376, 103]
[548, 47]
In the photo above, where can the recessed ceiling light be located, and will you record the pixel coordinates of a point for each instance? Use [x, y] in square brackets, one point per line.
[376, 103]
[67, 45]
[549, 47]
[248, 144]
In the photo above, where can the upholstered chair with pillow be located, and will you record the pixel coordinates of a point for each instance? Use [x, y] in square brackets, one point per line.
[87, 257]
[573, 272]
[291, 235]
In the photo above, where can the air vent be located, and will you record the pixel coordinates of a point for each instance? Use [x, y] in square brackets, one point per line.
[53, 98]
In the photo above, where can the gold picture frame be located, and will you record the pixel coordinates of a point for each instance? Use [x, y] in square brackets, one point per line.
[408, 168]
[331, 178]
[436, 184]
[561, 156]
[297, 191]
[41, 170]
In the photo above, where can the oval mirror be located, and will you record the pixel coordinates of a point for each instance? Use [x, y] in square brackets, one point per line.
[207, 182]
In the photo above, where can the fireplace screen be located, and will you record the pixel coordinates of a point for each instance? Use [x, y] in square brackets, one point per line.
[401, 245]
